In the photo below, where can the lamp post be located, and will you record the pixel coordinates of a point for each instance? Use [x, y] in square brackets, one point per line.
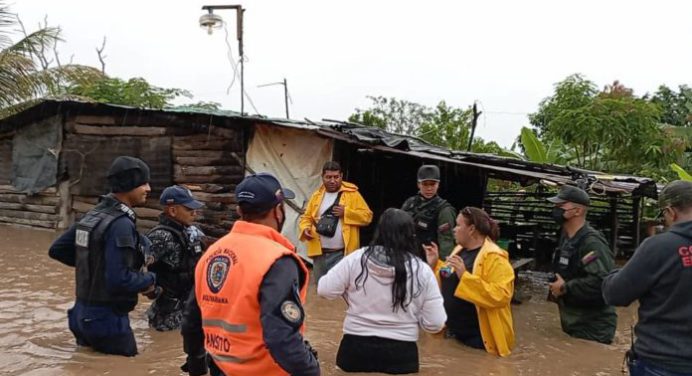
[212, 21]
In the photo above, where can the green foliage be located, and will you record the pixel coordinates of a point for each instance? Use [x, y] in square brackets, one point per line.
[533, 147]
[446, 126]
[684, 175]
[135, 92]
[676, 107]
[213, 106]
[392, 115]
[610, 130]
[442, 125]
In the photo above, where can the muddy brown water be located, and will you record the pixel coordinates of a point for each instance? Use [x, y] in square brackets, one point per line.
[35, 293]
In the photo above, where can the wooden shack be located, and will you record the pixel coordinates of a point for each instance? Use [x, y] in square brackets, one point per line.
[55, 153]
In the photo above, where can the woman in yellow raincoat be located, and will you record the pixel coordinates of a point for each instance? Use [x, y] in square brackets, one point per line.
[477, 282]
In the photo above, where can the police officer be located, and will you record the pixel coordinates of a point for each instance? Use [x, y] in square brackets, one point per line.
[251, 287]
[581, 261]
[659, 275]
[434, 216]
[107, 253]
[176, 245]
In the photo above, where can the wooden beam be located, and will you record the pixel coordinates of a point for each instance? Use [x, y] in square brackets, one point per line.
[29, 207]
[24, 199]
[218, 179]
[98, 120]
[27, 215]
[28, 222]
[119, 130]
[207, 170]
[224, 198]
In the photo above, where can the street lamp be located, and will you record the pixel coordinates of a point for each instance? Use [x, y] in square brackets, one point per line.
[211, 21]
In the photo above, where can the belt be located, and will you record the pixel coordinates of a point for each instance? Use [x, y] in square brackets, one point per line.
[330, 250]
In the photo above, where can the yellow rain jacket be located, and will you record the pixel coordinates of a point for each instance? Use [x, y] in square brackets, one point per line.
[356, 214]
[490, 289]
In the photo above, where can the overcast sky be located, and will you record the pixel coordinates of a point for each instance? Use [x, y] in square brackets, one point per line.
[505, 54]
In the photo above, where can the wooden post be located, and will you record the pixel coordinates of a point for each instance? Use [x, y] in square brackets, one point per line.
[614, 224]
[636, 219]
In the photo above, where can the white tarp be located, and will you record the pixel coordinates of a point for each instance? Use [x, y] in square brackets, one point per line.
[296, 158]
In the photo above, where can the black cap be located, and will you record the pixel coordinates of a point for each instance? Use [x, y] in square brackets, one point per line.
[428, 172]
[127, 173]
[677, 194]
[572, 194]
[261, 191]
[177, 195]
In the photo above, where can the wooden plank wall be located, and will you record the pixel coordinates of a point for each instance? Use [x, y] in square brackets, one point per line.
[40, 210]
[209, 163]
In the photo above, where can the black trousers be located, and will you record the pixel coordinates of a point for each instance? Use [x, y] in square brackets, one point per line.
[377, 354]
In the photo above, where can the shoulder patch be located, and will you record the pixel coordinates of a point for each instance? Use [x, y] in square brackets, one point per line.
[217, 270]
[291, 312]
[589, 258]
[82, 238]
[444, 227]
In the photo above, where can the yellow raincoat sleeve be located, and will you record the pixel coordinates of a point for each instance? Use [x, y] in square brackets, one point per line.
[307, 220]
[492, 290]
[356, 212]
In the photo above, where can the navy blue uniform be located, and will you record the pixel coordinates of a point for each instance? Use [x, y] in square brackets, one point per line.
[107, 285]
[282, 337]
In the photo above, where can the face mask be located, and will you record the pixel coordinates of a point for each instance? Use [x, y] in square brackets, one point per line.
[280, 223]
[558, 215]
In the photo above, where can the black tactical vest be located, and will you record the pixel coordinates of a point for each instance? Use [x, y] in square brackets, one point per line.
[90, 256]
[425, 213]
[179, 279]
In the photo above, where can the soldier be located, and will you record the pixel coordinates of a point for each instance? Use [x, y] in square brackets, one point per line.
[175, 246]
[107, 253]
[434, 216]
[581, 261]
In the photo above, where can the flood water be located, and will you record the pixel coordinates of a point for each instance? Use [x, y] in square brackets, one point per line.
[36, 291]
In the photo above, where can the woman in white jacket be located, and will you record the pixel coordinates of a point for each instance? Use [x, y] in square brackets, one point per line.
[390, 294]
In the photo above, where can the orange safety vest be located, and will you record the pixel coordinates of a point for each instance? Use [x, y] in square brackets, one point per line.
[228, 279]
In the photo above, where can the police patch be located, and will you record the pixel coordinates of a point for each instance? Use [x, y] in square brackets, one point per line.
[82, 238]
[217, 270]
[291, 312]
[444, 228]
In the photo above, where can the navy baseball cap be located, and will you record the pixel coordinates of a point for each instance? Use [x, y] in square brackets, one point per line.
[261, 191]
[177, 195]
[571, 194]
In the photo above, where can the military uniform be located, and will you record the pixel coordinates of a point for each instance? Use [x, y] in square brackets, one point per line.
[583, 261]
[176, 250]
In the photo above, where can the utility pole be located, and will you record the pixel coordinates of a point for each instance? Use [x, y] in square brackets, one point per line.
[286, 97]
[476, 115]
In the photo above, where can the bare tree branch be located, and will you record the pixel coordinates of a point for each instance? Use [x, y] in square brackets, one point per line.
[102, 57]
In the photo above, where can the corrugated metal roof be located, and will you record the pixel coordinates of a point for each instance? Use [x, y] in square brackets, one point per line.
[379, 139]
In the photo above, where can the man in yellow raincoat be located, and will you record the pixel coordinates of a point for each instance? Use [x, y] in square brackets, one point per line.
[341, 199]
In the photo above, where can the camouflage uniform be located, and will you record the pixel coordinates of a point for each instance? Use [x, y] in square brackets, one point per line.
[176, 249]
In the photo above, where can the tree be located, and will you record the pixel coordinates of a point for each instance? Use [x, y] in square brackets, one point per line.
[676, 107]
[610, 130]
[446, 126]
[135, 92]
[392, 115]
[25, 71]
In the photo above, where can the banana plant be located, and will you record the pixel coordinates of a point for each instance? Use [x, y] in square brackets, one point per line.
[684, 175]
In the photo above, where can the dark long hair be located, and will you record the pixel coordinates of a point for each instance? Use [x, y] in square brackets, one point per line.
[482, 221]
[396, 235]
